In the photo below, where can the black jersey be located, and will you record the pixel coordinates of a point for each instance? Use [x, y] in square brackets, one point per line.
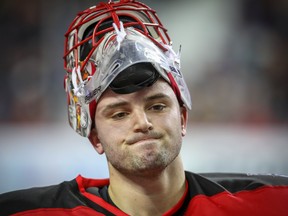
[206, 194]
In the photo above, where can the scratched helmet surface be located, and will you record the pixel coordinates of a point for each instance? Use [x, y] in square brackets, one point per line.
[106, 40]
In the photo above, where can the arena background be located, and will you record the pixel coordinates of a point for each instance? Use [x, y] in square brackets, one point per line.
[234, 58]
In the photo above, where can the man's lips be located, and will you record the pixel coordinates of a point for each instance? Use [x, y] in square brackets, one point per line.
[143, 137]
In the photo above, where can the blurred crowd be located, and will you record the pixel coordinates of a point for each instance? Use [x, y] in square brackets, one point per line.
[247, 85]
[21, 89]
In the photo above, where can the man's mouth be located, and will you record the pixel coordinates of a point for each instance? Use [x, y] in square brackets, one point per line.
[143, 138]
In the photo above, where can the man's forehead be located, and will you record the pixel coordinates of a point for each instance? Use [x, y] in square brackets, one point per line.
[159, 89]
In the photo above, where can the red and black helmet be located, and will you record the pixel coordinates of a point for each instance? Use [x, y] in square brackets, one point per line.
[105, 40]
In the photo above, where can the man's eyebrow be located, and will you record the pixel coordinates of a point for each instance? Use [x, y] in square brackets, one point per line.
[113, 106]
[157, 96]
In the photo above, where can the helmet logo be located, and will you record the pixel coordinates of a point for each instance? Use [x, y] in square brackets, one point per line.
[92, 94]
[175, 71]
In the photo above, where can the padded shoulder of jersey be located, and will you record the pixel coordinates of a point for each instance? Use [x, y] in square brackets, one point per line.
[234, 182]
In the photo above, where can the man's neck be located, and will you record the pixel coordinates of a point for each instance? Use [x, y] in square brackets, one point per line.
[150, 195]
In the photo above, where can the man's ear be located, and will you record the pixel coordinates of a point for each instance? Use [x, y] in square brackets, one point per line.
[93, 137]
[184, 119]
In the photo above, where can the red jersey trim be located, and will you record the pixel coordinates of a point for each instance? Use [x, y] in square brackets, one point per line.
[179, 204]
[77, 211]
[84, 183]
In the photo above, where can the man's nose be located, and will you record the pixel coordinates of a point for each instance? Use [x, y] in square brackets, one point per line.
[142, 122]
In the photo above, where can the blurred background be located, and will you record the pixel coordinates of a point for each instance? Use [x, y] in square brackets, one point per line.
[234, 59]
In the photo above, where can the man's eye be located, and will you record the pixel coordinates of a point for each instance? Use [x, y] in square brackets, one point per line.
[158, 107]
[119, 115]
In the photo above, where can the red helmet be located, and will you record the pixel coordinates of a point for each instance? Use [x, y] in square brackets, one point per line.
[104, 41]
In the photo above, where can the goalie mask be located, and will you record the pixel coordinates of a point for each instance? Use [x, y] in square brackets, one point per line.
[119, 45]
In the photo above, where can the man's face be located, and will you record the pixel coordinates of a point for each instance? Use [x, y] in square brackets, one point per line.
[141, 131]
